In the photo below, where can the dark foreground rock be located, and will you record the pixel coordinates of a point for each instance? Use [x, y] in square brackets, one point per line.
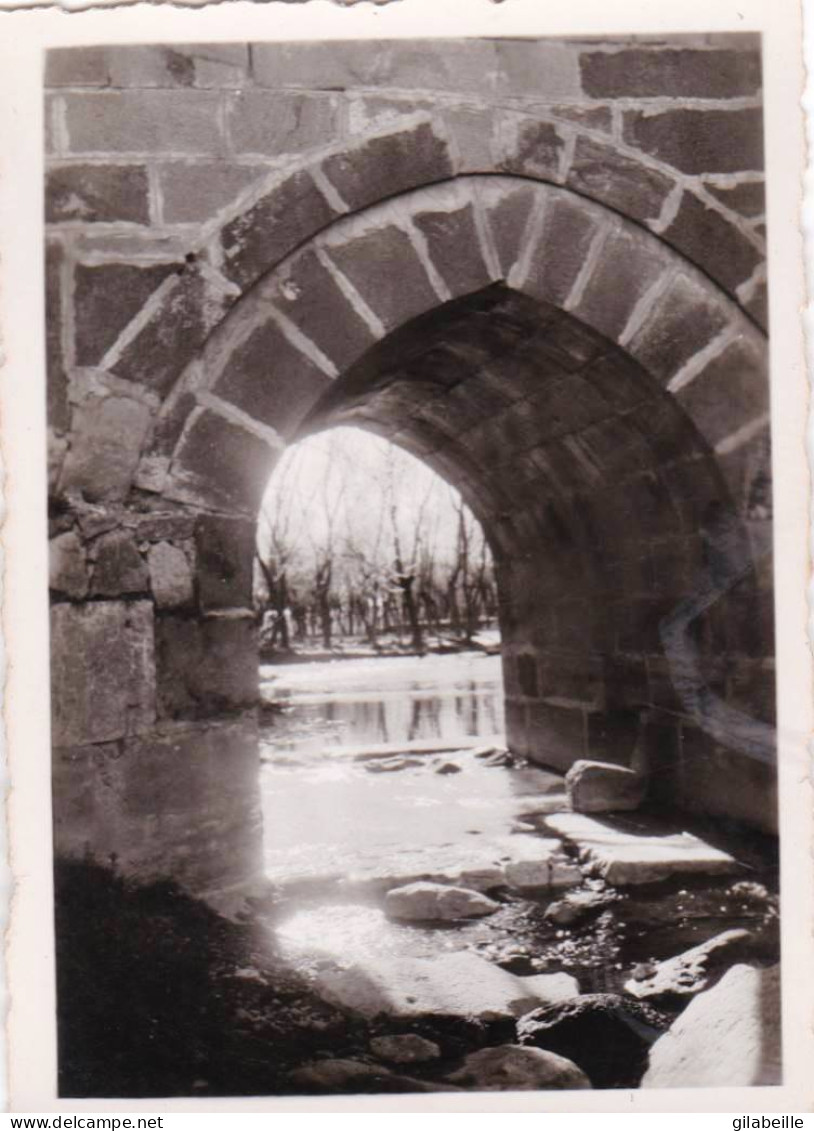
[606, 1035]
[352, 1076]
[515, 1068]
[727, 1037]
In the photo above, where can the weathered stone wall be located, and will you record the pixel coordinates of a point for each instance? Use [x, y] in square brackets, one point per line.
[539, 265]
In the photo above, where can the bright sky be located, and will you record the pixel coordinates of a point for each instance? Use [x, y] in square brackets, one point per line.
[344, 477]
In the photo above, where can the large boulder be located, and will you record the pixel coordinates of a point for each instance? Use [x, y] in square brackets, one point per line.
[460, 984]
[607, 1035]
[727, 1037]
[515, 1068]
[602, 787]
[425, 902]
[693, 971]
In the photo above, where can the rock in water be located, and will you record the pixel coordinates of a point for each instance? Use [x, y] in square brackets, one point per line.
[607, 1035]
[404, 1048]
[514, 1068]
[602, 787]
[727, 1037]
[578, 905]
[693, 971]
[424, 901]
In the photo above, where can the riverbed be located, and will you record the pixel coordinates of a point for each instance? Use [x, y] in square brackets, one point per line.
[380, 772]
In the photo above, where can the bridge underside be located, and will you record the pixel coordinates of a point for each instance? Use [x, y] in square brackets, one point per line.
[596, 390]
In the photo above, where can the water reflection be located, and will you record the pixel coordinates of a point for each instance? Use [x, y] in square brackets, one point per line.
[393, 700]
[331, 811]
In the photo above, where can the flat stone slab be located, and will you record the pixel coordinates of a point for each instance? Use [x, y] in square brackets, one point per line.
[519, 860]
[450, 985]
[624, 857]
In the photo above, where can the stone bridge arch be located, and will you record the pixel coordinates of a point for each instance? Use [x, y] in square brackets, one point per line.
[599, 395]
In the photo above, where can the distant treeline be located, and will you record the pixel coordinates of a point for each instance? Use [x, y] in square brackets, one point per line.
[359, 540]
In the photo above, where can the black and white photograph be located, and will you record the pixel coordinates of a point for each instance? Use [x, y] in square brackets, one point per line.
[411, 571]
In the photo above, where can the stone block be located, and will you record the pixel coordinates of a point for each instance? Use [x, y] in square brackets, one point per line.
[160, 526]
[569, 227]
[225, 553]
[389, 164]
[274, 123]
[220, 465]
[97, 194]
[570, 344]
[536, 68]
[728, 1037]
[58, 410]
[670, 72]
[709, 240]
[725, 783]
[67, 565]
[758, 306]
[169, 339]
[102, 671]
[170, 575]
[628, 266]
[271, 380]
[455, 249]
[118, 567]
[508, 215]
[682, 322]
[107, 439]
[311, 298]
[194, 192]
[421, 65]
[699, 141]
[618, 180]
[184, 803]
[535, 150]
[143, 121]
[620, 380]
[601, 787]
[76, 66]
[385, 269]
[472, 133]
[208, 65]
[731, 391]
[746, 197]
[555, 735]
[365, 114]
[205, 667]
[106, 299]
[291, 212]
